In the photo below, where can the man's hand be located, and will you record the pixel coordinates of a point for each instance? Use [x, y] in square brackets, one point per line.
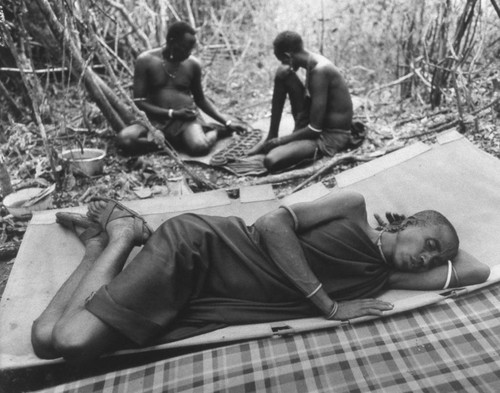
[265, 146]
[184, 114]
[158, 138]
[392, 218]
[238, 129]
[357, 308]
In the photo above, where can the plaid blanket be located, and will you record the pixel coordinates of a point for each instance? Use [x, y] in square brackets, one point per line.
[448, 347]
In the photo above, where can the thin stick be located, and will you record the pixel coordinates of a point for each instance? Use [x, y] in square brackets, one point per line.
[190, 13]
[347, 157]
[126, 14]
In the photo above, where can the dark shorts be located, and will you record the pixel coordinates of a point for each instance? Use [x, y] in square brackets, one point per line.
[330, 141]
[173, 128]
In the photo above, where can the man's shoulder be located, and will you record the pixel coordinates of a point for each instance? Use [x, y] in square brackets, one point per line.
[150, 54]
[193, 60]
[324, 65]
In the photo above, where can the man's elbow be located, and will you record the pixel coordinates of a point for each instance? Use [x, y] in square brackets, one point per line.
[478, 275]
[483, 273]
[270, 222]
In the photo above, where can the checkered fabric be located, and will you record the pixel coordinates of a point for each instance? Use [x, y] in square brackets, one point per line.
[452, 346]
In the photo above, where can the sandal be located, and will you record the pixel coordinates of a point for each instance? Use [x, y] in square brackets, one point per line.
[72, 220]
[115, 210]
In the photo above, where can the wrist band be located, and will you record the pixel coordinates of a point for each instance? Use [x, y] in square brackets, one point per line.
[448, 278]
[228, 123]
[314, 292]
[170, 113]
[314, 129]
[294, 216]
[335, 308]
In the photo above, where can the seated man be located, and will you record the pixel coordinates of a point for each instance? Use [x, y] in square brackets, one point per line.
[197, 273]
[167, 85]
[322, 109]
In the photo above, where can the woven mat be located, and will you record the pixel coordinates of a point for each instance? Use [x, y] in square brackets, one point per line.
[447, 347]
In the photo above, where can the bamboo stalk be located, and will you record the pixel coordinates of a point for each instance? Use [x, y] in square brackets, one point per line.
[34, 98]
[169, 150]
[10, 100]
[126, 15]
[5, 184]
[190, 13]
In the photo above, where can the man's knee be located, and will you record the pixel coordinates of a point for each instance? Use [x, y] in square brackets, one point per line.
[41, 340]
[70, 342]
[282, 73]
[271, 162]
[127, 138]
[195, 140]
[198, 148]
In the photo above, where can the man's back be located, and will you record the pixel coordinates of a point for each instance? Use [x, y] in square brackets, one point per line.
[338, 110]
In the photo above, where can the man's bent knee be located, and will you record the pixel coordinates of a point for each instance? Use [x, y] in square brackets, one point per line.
[199, 148]
[127, 138]
[271, 163]
[282, 73]
[41, 340]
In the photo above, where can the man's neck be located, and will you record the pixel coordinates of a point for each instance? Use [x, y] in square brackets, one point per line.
[302, 58]
[166, 57]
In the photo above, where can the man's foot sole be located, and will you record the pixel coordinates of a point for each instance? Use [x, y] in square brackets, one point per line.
[73, 220]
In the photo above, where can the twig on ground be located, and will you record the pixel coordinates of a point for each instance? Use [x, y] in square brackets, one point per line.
[416, 118]
[347, 157]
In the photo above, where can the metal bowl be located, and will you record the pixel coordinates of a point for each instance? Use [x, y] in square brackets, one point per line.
[90, 162]
[14, 202]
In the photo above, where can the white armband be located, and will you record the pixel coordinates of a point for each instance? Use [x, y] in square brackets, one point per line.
[294, 216]
[448, 278]
[313, 129]
[314, 292]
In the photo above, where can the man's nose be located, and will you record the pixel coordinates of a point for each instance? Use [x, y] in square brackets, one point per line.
[426, 258]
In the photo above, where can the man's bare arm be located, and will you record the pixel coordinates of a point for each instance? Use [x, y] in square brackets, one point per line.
[278, 231]
[318, 88]
[199, 96]
[281, 242]
[141, 86]
[335, 205]
[468, 270]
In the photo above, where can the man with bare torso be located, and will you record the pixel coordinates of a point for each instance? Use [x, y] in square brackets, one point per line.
[322, 107]
[167, 86]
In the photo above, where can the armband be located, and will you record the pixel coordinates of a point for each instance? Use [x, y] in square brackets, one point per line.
[314, 292]
[335, 308]
[448, 278]
[294, 216]
[313, 129]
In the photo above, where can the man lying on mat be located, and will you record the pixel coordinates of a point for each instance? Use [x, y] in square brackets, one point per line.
[322, 108]
[167, 85]
[197, 273]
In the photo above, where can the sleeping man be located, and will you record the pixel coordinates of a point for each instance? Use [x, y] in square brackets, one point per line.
[197, 273]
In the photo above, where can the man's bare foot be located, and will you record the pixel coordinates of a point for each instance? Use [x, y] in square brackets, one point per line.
[87, 230]
[119, 221]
